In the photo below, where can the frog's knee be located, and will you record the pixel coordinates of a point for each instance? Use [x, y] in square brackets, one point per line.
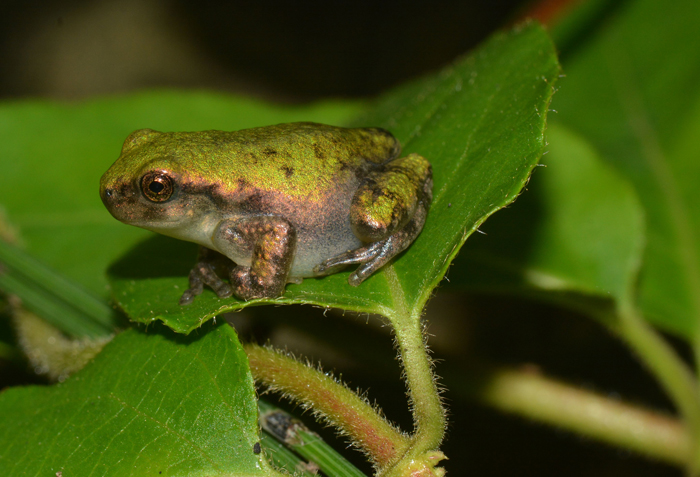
[389, 197]
[371, 225]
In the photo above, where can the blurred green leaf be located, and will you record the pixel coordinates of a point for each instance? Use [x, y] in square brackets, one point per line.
[578, 228]
[631, 97]
[633, 91]
[149, 404]
[480, 122]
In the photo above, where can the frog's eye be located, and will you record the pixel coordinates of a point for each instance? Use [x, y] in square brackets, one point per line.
[157, 187]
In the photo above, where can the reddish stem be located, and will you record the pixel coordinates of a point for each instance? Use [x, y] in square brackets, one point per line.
[337, 404]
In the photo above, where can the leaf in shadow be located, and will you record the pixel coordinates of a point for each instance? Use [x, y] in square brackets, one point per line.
[156, 257]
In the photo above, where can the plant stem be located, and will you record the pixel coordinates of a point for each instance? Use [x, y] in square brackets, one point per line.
[428, 414]
[587, 413]
[673, 374]
[329, 398]
[667, 367]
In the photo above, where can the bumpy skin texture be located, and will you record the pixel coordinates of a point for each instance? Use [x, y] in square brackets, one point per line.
[281, 202]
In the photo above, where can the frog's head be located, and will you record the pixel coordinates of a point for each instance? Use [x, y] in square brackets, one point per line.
[149, 186]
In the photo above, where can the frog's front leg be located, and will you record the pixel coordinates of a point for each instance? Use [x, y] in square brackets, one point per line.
[387, 212]
[204, 273]
[272, 241]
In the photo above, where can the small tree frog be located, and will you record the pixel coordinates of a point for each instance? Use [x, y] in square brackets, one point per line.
[281, 202]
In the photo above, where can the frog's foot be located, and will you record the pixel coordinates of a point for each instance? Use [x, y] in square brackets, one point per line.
[273, 242]
[375, 255]
[204, 273]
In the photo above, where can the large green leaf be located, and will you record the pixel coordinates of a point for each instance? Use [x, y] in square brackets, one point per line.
[633, 91]
[631, 97]
[480, 122]
[151, 404]
[53, 155]
[578, 228]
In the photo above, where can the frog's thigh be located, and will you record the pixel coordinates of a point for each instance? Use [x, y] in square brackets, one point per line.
[388, 198]
[388, 211]
[273, 242]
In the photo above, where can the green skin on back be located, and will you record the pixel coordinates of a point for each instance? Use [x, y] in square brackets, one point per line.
[281, 202]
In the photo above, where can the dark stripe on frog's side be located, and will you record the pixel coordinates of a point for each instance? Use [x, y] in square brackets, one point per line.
[239, 200]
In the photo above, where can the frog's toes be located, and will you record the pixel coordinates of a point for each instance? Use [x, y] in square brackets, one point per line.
[188, 296]
[371, 257]
[203, 274]
[351, 257]
[384, 251]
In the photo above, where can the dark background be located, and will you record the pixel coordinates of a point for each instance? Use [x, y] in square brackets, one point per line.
[293, 52]
[286, 50]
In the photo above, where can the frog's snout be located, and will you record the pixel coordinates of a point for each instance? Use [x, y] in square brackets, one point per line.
[108, 195]
[118, 198]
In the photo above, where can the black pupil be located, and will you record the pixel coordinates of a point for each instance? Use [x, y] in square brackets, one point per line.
[156, 187]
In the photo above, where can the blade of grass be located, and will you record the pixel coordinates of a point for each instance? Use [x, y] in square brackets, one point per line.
[55, 283]
[50, 307]
[282, 457]
[328, 460]
[294, 434]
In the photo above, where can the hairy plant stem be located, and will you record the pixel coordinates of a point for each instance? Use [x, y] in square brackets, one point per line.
[667, 367]
[429, 417]
[543, 399]
[428, 414]
[337, 404]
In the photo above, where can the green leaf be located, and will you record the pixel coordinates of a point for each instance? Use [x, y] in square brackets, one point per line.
[149, 404]
[578, 228]
[633, 91]
[53, 155]
[480, 122]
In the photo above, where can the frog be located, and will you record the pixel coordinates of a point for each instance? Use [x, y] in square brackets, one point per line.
[272, 205]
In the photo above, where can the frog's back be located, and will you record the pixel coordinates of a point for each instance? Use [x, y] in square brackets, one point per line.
[296, 158]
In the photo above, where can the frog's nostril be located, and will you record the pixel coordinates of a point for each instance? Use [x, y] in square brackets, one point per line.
[108, 193]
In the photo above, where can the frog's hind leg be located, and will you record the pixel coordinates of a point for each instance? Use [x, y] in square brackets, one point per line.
[203, 273]
[387, 212]
[375, 255]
